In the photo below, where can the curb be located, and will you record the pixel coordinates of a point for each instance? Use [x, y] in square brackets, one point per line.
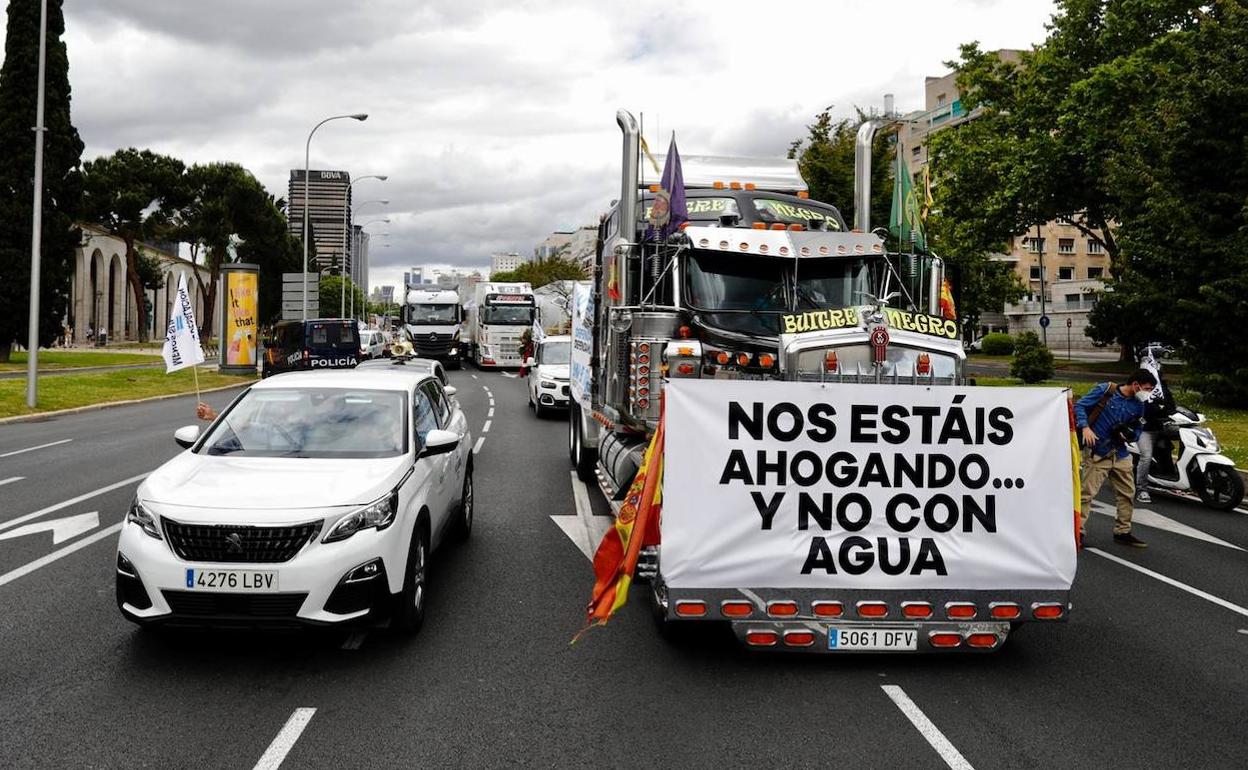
[41, 416]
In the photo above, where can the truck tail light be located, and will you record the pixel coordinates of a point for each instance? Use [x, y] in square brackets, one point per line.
[960, 610]
[782, 609]
[1004, 610]
[924, 365]
[918, 610]
[828, 609]
[759, 226]
[761, 638]
[797, 228]
[736, 609]
[1047, 610]
[743, 359]
[872, 609]
[766, 360]
[799, 638]
[691, 609]
[944, 639]
[722, 358]
[829, 361]
[982, 641]
[685, 369]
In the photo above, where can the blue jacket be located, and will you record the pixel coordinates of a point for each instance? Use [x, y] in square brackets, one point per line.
[1118, 411]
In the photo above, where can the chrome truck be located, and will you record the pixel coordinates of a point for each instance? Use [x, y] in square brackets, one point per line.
[763, 284]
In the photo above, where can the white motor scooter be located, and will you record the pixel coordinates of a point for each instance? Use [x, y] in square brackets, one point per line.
[1199, 467]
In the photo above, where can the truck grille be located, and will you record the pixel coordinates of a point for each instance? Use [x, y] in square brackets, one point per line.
[230, 543]
[202, 605]
[432, 345]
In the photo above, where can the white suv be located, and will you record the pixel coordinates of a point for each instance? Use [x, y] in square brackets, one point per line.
[315, 498]
[548, 375]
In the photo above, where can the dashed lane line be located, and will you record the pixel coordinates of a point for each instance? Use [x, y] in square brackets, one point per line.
[285, 739]
[477, 448]
[929, 731]
[489, 414]
[33, 448]
[71, 501]
[473, 376]
[1172, 582]
[44, 561]
[15, 478]
[486, 428]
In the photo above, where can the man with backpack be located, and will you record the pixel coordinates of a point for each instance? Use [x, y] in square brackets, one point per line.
[1108, 418]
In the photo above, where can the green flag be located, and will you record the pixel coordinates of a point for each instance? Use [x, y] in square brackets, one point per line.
[905, 221]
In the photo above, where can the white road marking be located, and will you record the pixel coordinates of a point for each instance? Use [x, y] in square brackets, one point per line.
[473, 376]
[33, 448]
[487, 414]
[62, 529]
[510, 376]
[1171, 581]
[934, 736]
[11, 480]
[477, 448]
[491, 401]
[585, 530]
[1151, 518]
[355, 640]
[44, 561]
[486, 428]
[285, 739]
[1244, 631]
[72, 501]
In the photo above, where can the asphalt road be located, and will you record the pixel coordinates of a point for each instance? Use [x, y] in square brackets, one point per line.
[1146, 674]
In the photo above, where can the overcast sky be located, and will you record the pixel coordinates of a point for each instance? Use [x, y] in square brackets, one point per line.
[496, 120]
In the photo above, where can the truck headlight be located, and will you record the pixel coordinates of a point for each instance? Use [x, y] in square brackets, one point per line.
[379, 513]
[144, 518]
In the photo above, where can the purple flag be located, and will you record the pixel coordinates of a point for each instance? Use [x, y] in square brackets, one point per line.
[668, 210]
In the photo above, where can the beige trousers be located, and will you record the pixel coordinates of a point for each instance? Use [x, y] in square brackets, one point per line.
[1095, 469]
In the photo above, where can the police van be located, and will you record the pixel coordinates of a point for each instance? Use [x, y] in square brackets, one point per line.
[321, 343]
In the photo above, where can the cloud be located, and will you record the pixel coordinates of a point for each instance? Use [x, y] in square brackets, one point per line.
[496, 120]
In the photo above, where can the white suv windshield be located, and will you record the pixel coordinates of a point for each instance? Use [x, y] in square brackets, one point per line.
[312, 422]
[556, 352]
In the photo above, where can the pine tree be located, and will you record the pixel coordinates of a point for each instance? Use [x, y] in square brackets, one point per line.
[62, 154]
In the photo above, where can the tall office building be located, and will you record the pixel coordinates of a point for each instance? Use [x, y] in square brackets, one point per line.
[503, 262]
[330, 196]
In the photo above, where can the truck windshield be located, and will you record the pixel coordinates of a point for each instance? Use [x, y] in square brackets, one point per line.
[507, 314]
[748, 294]
[433, 314]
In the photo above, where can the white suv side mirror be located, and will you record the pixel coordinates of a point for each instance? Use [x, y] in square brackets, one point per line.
[186, 436]
[439, 442]
[530, 362]
[450, 390]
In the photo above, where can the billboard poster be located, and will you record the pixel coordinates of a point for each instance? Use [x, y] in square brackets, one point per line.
[240, 298]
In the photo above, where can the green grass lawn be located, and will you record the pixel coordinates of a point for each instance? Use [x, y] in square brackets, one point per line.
[1230, 425]
[73, 390]
[67, 359]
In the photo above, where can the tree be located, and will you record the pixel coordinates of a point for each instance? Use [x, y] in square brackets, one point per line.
[538, 274]
[62, 184]
[330, 292]
[133, 194]
[269, 244]
[1033, 362]
[1129, 120]
[226, 207]
[826, 160]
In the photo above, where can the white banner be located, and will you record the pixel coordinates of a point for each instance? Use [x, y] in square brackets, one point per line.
[803, 485]
[182, 337]
[582, 342]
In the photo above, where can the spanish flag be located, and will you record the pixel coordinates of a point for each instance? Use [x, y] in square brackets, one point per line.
[947, 309]
[637, 525]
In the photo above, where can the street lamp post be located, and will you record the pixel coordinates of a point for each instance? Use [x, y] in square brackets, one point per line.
[36, 236]
[1044, 327]
[307, 162]
[346, 232]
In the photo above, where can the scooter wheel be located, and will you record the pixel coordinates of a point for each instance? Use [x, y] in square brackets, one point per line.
[1221, 487]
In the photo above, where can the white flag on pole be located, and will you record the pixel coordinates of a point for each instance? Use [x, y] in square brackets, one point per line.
[182, 337]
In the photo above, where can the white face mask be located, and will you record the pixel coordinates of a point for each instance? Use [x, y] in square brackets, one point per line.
[1143, 396]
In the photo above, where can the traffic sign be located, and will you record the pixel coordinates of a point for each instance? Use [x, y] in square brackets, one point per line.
[1044, 322]
[1069, 323]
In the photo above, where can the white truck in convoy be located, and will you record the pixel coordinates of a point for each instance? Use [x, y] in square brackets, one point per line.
[829, 481]
[433, 324]
[497, 320]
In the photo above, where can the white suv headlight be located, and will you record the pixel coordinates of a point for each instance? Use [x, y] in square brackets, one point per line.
[144, 518]
[379, 514]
